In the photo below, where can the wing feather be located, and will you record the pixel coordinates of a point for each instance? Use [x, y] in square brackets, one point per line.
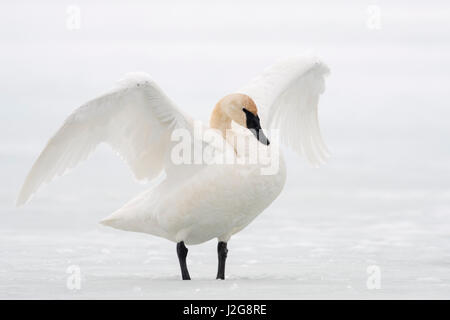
[135, 119]
[287, 94]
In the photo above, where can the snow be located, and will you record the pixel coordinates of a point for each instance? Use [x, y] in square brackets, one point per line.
[382, 200]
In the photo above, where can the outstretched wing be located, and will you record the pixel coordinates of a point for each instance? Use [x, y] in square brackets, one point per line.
[136, 119]
[288, 94]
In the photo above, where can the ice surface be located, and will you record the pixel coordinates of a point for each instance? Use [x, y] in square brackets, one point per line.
[383, 199]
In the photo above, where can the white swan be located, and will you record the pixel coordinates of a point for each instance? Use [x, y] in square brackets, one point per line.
[194, 202]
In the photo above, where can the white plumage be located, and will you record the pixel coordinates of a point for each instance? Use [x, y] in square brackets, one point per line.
[288, 93]
[194, 203]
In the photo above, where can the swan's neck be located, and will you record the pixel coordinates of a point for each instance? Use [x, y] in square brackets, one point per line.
[220, 120]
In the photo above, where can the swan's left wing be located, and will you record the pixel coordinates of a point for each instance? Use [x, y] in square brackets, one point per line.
[287, 94]
[136, 119]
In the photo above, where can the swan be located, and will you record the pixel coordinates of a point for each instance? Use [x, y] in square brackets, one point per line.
[194, 201]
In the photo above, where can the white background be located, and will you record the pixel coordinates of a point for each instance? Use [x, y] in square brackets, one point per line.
[383, 199]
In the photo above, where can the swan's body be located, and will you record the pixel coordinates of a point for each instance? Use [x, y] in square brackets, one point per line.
[217, 202]
[195, 202]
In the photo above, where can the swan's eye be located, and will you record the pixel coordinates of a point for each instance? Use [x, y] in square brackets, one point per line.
[246, 111]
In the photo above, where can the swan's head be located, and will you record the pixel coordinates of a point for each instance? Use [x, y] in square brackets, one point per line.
[242, 109]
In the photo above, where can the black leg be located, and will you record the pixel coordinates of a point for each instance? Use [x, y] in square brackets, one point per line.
[222, 255]
[182, 254]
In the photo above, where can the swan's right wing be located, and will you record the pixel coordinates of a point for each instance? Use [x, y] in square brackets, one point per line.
[136, 119]
[287, 94]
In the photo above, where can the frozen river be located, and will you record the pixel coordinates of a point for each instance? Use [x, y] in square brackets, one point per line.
[313, 242]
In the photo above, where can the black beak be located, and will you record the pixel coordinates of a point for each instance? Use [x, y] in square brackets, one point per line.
[253, 124]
